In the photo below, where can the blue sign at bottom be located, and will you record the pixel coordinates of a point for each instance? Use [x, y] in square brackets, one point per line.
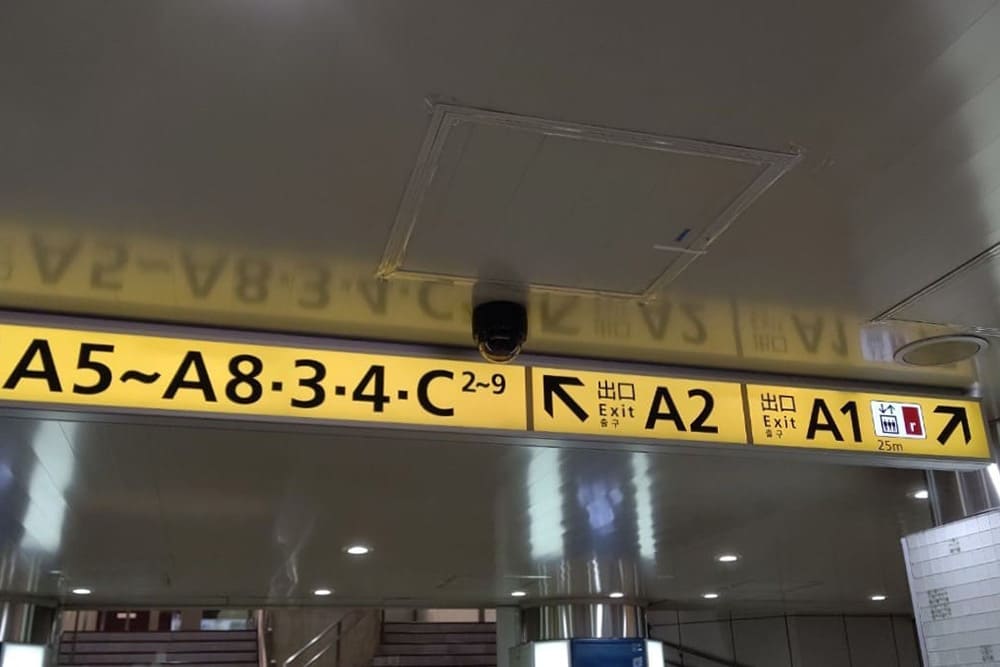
[608, 653]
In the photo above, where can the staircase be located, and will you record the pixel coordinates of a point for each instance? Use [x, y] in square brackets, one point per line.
[437, 645]
[218, 648]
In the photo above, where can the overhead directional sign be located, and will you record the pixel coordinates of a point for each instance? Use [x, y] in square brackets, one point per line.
[866, 422]
[86, 368]
[637, 406]
[270, 378]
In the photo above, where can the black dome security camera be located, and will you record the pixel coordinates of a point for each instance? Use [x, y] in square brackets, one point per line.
[500, 329]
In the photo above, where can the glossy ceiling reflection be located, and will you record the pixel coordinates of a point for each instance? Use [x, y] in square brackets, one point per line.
[208, 514]
[156, 279]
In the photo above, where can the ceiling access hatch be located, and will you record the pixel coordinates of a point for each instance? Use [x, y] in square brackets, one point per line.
[565, 206]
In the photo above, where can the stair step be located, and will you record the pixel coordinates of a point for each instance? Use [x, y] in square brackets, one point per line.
[434, 661]
[155, 646]
[219, 648]
[432, 628]
[436, 638]
[438, 649]
[82, 662]
[151, 658]
[437, 645]
[187, 635]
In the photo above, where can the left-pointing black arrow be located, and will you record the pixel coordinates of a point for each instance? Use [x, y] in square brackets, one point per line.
[958, 416]
[555, 385]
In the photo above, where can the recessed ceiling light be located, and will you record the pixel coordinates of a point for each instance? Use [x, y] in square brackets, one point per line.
[358, 550]
[727, 558]
[940, 350]
[617, 595]
[877, 598]
[922, 494]
[518, 594]
[710, 596]
[322, 592]
[81, 591]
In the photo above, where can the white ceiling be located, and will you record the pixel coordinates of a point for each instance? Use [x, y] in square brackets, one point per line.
[241, 163]
[169, 135]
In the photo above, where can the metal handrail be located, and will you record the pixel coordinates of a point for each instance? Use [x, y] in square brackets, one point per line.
[701, 655]
[261, 620]
[337, 625]
[321, 653]
[305, 647]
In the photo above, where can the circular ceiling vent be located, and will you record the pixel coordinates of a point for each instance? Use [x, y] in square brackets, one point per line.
[940, 350]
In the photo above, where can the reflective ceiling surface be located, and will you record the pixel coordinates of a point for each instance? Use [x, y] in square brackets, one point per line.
[241, 163]
[214, 514]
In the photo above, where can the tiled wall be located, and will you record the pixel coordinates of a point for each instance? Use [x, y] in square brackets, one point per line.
[789, 641]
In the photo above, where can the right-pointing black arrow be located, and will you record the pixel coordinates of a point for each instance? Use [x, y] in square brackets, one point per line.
[555, 385]
[958, 416]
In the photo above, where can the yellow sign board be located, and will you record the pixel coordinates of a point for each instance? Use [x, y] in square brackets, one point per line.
[94, 369]
[866, 422]
[636, 406]
[113, 370]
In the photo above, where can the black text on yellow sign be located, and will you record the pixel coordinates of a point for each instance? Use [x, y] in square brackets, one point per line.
[866, 422]
[83, 368]
[69, 367]
[637, 406]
